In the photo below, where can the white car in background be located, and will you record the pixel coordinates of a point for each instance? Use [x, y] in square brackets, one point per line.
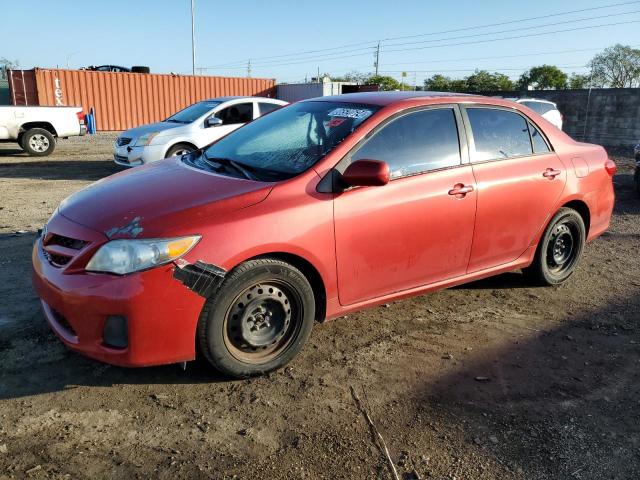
[547, 109]
[194, 127]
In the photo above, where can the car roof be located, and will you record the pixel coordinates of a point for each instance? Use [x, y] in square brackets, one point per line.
[240, 97]
[541, 100]
[389, 98]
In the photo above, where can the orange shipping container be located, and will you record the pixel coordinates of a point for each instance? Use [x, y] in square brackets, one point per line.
[126, 100]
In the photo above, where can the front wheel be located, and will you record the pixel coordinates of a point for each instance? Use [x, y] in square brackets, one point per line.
[179, 150]
[559, 249]
[258, 320]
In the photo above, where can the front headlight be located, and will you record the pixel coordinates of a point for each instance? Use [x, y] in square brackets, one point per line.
[145, 139]
[127, 256]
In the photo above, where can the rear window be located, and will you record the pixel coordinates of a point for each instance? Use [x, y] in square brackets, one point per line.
[539, 107]
[498, 134]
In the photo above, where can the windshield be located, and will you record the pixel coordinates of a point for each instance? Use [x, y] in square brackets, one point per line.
[290, 140]
[193, 112]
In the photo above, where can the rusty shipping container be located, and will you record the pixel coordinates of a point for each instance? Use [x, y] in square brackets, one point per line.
[126, 100]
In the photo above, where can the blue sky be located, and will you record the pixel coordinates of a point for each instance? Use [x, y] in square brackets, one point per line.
[229, 33]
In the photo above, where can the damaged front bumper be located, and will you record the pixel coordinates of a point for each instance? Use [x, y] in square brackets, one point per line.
[141, 319]
[202, 278]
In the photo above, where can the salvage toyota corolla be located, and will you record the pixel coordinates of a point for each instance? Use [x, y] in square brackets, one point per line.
[318, 209]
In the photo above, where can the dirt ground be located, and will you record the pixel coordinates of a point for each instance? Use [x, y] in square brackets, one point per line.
[492, 380]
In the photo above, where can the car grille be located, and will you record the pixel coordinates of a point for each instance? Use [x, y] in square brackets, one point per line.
[122, 141]
[121, 158]
[67, 242]
[60, 250]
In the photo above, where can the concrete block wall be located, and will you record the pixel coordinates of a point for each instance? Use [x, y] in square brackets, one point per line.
[606, 116]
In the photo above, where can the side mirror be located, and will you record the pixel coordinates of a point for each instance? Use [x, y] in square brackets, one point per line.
[212, 122]
[366, 173]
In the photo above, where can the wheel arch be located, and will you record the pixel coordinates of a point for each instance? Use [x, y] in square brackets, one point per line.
[582, 208]
[44, 125]
[309, 271]
[577, 204]
[179, 142]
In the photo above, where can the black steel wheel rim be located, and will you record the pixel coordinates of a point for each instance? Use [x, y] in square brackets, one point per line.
[562, 247]
[262, 321]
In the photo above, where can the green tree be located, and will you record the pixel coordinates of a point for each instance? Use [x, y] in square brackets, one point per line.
[352, 76]
[6, 64]
[387, 83]
[439, 83]
[577, 80]
[543, 77]
[617, 67]
[484, 81]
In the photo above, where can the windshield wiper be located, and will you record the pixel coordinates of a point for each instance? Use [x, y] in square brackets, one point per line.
[226, 162]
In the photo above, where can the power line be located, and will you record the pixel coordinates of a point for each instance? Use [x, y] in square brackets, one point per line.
[584, 19]
[474, 69]
[339, 55]
[516, 36]
[513, 37]
[500, 56]
[293, 54]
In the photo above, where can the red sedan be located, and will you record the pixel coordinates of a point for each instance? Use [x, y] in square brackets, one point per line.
[321, 208]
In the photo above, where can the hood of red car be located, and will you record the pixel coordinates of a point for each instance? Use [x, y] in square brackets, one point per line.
[149, 201]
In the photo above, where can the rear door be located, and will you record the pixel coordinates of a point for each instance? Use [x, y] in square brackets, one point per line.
[414, 230]
[519, 180]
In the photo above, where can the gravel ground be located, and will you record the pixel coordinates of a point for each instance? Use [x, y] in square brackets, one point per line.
[491, 380]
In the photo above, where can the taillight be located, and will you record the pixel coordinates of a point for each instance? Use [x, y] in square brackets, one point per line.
[610, 166]
[80, 116]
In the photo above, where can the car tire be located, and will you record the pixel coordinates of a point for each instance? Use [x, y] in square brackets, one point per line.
[178, 150]
[559, 250]
[258, 320]
[38, 142]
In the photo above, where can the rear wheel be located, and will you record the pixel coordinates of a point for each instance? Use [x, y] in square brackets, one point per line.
[258, 320]
[179, 150]
[38, 142]
[559, 249]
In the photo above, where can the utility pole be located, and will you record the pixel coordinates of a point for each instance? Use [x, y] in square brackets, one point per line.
[249, 69]
[193, 37]
[318, 77]
[377, 62]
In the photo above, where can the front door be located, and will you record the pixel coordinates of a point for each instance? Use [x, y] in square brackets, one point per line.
[519, 180]
[233, 117]
[415, 230]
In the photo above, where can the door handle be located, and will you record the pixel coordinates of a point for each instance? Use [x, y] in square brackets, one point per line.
[460, 190]
[551, 173]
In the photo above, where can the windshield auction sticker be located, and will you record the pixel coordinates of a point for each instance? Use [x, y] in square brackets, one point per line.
[350, 113]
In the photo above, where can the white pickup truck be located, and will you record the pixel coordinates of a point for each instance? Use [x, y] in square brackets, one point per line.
[36, 129]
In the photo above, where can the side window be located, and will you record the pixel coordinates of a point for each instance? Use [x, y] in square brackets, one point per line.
[267, 107]
[414, 143]
[498, 134]
[539, 145]
[240, 113]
